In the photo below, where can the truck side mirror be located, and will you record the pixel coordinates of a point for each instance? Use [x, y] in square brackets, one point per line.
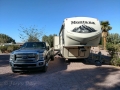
[20, 46]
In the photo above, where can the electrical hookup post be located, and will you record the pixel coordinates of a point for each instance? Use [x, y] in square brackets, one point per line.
[96, 56]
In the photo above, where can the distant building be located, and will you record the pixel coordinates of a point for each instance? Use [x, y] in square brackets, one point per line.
[19, 44]
[7, 44]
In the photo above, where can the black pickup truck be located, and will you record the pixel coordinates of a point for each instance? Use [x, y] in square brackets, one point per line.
[31, 56]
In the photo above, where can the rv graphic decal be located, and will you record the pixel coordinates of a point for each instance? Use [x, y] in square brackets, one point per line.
[82, 22]
[84, 29]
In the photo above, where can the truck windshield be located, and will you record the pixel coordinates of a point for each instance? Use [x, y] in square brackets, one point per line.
[34, 45]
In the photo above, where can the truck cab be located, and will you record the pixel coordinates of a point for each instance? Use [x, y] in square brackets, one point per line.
[31, 56]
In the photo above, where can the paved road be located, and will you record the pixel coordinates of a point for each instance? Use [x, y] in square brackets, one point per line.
[61, 75]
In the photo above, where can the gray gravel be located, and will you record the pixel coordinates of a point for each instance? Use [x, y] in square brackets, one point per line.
[61, 75]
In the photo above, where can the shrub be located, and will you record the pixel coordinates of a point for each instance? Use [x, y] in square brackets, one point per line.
[115, 61]
[113, 50]
[9, 48]
[3, 49]
[12, 48]
[15, 47]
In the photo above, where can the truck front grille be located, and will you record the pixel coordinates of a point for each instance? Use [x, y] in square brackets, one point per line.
[26, 57]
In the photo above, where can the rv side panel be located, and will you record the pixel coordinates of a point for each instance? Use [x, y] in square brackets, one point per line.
[56, 43]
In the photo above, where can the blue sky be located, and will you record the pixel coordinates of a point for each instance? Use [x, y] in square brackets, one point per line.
[49, 14]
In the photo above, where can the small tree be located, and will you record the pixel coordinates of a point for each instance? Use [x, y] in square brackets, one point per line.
[30, 34]
[49, 39]
[45, 38]
[6, 39]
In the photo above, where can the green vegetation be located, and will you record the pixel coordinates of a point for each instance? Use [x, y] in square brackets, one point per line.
[6, 39]
[8, 49]
[3, 49]
[113, 47]
[111, 42]
[49, 39]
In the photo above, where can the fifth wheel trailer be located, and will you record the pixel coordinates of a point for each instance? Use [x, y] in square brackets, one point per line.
[76, 36]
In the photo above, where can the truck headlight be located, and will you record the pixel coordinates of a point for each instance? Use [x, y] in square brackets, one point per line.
[40, 56]
[11, 56]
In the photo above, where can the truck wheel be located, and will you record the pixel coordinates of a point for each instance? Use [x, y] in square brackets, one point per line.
[52, 58]
[13, 70]
[44, 68]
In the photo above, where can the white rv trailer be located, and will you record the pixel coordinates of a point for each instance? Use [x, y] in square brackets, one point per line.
[77, 35]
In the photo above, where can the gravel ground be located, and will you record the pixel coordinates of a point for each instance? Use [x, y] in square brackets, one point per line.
[61, 75]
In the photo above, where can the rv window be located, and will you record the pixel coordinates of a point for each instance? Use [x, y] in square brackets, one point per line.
[60, 37]
[63, 36]
[62, 27]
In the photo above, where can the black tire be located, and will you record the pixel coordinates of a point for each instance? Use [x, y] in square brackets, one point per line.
[52, 58]
[98, 63]
[86, 60]
[13, 70]
[44, 68]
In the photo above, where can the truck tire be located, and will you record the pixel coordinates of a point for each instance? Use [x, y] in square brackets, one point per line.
[52, 58]
[44, 68]
[13, 70]
[52, 55]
